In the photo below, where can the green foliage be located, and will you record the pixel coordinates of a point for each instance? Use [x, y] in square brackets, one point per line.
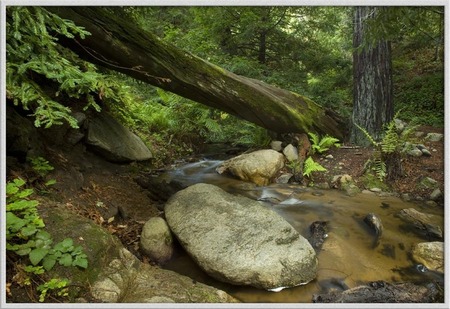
[25, 236]
[388, 149]
[55, 286]
[310, 166]
[323, 144]
[41, 166]
[40, 73]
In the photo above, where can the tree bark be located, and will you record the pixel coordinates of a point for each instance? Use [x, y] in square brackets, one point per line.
[372, 80]
[120, 45]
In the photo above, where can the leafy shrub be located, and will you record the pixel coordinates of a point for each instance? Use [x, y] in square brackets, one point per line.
[25, 236]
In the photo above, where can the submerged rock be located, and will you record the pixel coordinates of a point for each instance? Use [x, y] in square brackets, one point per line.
[374, 222]
[384, 292]
[238, 240]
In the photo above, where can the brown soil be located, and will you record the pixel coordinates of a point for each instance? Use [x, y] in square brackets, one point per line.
[107, 193]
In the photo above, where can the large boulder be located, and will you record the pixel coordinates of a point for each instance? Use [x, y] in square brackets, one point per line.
[238, 240]
[258, 167]
[115, 142]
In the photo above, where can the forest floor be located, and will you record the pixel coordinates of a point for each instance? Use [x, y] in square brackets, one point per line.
[106, 186]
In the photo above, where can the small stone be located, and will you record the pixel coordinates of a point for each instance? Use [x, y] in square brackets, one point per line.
[431, 203]
[376, 190]
[406, 197]
[436, 194]
[329, 157]
[276, 145]
[415, 152]
[426, 152]
[434, 137]
[429, 182]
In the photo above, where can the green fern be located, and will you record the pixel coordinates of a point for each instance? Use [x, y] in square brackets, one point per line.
[33, 54]
[323, 144]
[389, 148]
[310, 166]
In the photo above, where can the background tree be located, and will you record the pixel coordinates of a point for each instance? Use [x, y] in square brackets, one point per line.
[372, 79]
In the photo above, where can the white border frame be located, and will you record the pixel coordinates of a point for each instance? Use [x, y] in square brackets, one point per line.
[4, 3]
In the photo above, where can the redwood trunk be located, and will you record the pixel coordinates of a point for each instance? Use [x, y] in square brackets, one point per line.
[372, 77]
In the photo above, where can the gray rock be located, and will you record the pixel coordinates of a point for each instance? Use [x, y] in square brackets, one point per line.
[115, 142]
[284, 178]
[428, 183]
[156, 240]
[426, 152]
[276, 145]
[415, 152]
[291, 153]
[259, 167]
[423, 223]
[238, 240]
[430, 254]
[436, 194]
[127, 280]
[399, 124]
[434, 137]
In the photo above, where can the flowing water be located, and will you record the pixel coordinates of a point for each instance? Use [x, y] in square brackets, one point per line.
[349, 255]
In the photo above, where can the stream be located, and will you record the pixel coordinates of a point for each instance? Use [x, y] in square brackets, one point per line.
[348, 257]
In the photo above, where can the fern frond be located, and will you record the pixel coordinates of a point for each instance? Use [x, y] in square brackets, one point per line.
[310, 166]
[368, 136]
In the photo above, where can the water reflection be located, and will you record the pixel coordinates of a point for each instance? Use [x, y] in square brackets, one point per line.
[348, 256]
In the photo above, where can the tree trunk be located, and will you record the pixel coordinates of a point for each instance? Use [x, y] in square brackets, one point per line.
[372, 78]
[120, 45]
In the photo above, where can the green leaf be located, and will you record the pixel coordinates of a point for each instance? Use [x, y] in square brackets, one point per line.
[50, 182]
[28, 230]
[66, 260]
[21, 205]
[81, 262]
[24, 251]
[49, 261]
[36, 255]
[44, 235]
[14, 223]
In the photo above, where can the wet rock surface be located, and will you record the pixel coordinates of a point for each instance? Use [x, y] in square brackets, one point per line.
[238, 240]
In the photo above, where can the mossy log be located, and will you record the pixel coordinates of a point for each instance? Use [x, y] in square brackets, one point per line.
[118, 44]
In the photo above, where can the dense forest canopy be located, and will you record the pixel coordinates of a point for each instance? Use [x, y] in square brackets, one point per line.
[305, 49]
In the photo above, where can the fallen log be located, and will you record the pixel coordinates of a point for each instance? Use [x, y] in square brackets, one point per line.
[119, 44]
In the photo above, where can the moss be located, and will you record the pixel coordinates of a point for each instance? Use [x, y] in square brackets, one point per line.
[371, 181]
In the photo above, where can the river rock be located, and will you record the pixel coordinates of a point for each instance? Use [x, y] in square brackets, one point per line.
[384, 292]
[115, 142]
[259, 167]
[434, 137]
[276, 145]
[430, 254]
[156, 240]
[238, 240]
[423, 223]
[291, 153]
